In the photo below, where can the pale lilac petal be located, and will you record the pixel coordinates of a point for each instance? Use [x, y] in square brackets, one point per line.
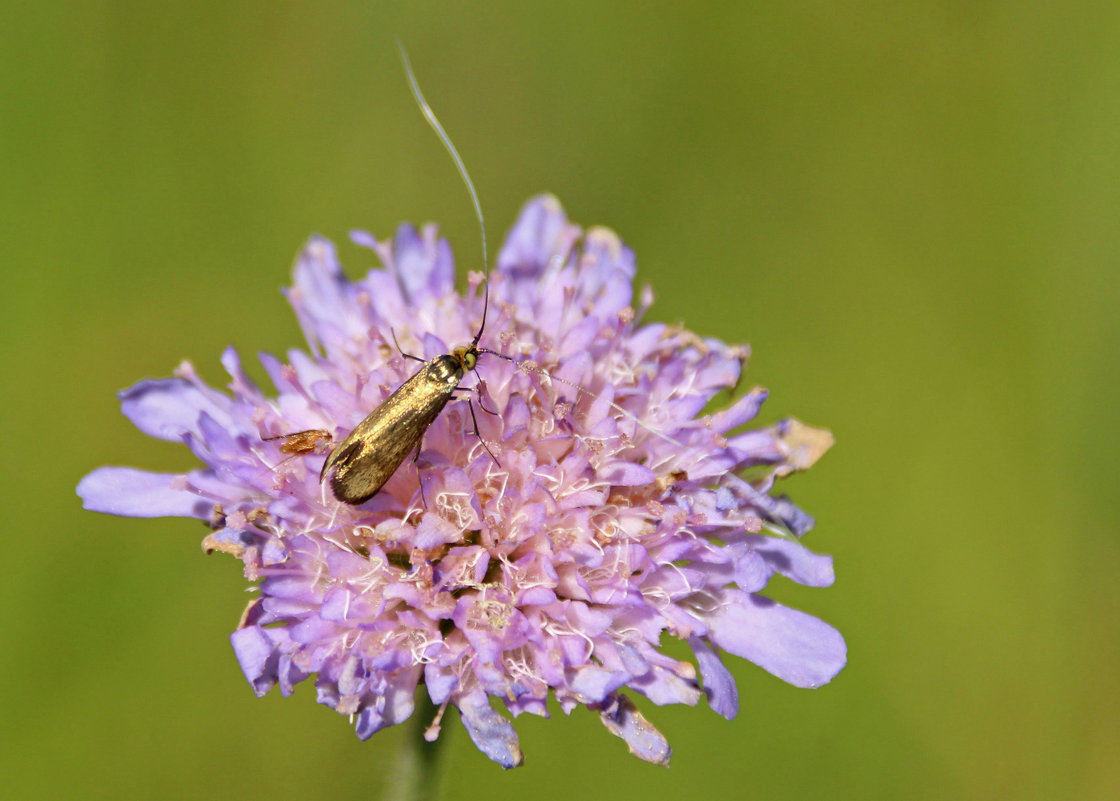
[541, 233]
[645, 742]
[434, 531]
[608, 280]
[628, 474]
[169, 408]
[794, 646]
[322, 287]
[241, 385]
[322, 296]
[491, 733]
[742, 411]
[592, 684]
[258, 653]
[129, 492]
[719, 684]
[780, 509]
[364, 239]
[423, 263]
[665, 687]
[440, 683]
[793, 560]
[395, 704]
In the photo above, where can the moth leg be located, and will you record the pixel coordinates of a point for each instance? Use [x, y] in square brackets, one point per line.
[479, 392]
[474, 419]
[482, 405]
[478, 434]
[401, 350]
[419, 473]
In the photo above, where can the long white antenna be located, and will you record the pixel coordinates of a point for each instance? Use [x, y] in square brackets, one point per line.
[430, 116]
[433, 121]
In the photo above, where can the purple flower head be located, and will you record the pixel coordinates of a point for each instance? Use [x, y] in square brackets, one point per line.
[549, 553]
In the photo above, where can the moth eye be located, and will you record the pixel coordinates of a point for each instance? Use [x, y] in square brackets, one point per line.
[469, 360]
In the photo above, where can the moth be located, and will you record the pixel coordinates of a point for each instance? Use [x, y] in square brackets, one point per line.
[369, 455]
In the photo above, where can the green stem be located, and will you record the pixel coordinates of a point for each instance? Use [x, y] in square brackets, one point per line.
[417, 774]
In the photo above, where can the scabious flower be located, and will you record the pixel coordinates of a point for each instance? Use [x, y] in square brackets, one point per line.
[550, 552]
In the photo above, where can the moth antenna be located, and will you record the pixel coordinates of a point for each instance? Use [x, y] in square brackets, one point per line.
[625, 412]
[400, 350]
[433, 121]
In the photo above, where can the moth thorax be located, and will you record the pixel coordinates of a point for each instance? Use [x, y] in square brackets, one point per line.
[447, 369]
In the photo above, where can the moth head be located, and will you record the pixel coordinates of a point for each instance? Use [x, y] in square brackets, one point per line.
[467, 356]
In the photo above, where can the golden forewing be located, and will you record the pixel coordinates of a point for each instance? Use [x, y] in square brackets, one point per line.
[373, 451]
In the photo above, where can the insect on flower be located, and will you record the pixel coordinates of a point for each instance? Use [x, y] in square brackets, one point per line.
[372, 452]
[368, 456]
[629, 515]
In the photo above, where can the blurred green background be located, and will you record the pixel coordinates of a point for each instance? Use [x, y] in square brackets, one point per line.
[908, 209]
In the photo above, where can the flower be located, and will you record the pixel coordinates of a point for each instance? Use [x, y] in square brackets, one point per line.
[597, 509]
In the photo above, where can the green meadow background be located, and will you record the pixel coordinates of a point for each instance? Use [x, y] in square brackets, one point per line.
[910, 210]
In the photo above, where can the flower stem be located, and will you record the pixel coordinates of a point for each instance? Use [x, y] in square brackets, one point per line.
[417, 773]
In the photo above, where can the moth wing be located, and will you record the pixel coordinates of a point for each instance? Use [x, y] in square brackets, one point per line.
[367, 458]
[361, 469]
